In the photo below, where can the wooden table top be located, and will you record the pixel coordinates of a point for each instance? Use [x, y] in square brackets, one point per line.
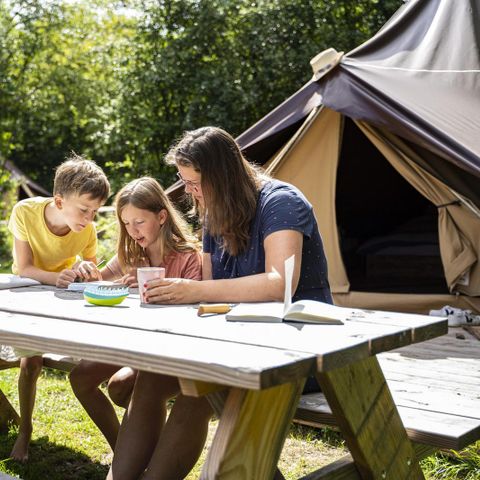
[170, 339]
[253, 356]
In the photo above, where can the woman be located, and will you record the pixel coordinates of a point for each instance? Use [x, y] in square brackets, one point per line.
[251, 225]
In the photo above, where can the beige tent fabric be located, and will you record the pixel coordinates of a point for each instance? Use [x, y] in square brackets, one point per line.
[310, 163]
[459, 228]
[405, 302]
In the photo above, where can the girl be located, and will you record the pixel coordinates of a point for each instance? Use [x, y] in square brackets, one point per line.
[251, 224]
[152, 233]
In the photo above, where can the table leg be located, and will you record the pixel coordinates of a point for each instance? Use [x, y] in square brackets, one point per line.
[369, 421]
[251, 432]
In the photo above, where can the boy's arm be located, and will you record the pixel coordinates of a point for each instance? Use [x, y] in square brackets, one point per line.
[26, 268]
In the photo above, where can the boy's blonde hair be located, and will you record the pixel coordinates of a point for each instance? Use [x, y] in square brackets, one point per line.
[147, 194]
[80, 176]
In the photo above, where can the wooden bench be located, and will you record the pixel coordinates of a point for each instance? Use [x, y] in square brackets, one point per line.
[8, 414]
[436, 387]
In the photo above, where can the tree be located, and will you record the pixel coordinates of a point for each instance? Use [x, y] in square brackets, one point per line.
[62, 87]
[227, 62]
[120, 85]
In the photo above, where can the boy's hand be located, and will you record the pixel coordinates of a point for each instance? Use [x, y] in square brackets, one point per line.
[87, 271]
[65, 278]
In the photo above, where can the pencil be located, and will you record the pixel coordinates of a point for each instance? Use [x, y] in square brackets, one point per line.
[101, 263]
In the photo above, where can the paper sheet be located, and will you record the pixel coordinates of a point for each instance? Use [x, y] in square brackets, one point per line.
[287, 298]
[7, 280]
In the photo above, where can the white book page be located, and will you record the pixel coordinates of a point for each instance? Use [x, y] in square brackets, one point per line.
[267, 312]
[8, 280]
[287, 297]
[319, 309]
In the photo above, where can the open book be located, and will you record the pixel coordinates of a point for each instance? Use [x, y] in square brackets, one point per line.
[7, 280]
[307, 311]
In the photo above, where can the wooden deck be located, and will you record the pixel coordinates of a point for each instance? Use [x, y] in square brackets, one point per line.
[435, 385]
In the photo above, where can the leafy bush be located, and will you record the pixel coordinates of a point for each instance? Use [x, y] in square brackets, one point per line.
[8, 198]
[106, 225]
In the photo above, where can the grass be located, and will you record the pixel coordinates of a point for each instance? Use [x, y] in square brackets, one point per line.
[67, 446]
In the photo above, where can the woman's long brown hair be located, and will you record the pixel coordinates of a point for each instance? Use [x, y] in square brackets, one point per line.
[146, 194]
[230, 184]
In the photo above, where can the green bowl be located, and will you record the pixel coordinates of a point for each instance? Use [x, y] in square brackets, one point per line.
[105, 296]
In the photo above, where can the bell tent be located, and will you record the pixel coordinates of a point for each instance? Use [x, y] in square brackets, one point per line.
[385, 143]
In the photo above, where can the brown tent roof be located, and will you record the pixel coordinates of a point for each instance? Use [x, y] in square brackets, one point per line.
[28, 185]
[419, 77]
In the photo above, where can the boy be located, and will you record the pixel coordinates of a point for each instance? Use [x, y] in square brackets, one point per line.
[49, 234]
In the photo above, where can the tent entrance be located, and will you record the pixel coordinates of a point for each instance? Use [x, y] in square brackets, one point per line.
[388, 231]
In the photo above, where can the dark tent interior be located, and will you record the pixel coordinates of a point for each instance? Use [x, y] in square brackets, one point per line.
[388, 231]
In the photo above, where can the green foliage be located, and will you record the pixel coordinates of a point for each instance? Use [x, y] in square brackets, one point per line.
[106, 224]
[8, 198]
[118, 81]
[67, 445]
[60, 61]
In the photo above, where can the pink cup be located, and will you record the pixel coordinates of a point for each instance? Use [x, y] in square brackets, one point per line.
[144, 274]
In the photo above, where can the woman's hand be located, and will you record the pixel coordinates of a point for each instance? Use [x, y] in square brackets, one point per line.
[65, 278]
[172, 291]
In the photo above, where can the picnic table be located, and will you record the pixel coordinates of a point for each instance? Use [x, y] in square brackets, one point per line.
[259, 367]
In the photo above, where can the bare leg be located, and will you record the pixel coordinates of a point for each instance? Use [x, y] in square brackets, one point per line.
[85, 379]
[182, 440]
[30, 369]
[141, 425]
[120, 386]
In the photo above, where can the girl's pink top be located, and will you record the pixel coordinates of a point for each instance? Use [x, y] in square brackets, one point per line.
[177, 265]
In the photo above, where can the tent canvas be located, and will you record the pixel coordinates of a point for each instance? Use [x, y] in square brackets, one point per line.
[27, 187]
[385, 143]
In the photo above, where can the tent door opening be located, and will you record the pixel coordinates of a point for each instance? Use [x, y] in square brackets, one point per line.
[388, 231]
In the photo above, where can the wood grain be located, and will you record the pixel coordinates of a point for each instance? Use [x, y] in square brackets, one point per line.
[247, 366]
[344, 468]
[194, 388]
[365, 334]
[369, 421]
[251, 432]
[436, 387]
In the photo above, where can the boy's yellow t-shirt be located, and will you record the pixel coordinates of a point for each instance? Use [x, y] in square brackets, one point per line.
[51, 252]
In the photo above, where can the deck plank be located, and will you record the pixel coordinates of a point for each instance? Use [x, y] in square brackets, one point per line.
[437, 395]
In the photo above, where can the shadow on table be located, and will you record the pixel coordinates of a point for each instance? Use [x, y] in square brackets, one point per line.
[62, 293]
[50, 461]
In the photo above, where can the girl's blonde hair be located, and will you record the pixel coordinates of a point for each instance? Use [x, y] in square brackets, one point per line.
[147, 194]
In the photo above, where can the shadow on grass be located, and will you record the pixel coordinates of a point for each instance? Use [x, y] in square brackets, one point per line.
[50, 461]
[326, 434]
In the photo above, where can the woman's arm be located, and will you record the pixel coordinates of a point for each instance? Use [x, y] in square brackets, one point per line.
[206, 267]
[268, 286]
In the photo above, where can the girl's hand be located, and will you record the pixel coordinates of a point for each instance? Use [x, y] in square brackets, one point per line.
[87, 271]
[129, 280]
[65, 278]
[172, 291]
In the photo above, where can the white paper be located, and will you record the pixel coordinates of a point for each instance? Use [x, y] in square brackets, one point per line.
[287, 298]
[81, 286]
[7, 280]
